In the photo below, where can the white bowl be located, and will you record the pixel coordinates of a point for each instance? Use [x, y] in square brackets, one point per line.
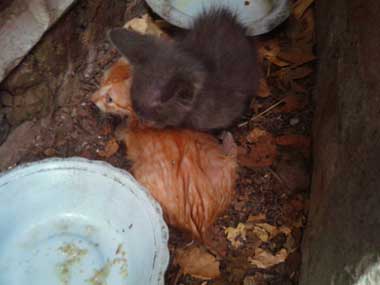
[74, 221]
[259, 16]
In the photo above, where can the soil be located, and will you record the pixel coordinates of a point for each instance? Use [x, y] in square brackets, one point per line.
[279, 190]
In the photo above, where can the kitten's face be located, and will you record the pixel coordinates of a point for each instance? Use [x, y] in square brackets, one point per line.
[113, 97]
[166, 80]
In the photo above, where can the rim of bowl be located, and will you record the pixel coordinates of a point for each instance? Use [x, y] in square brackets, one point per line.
[278, 14]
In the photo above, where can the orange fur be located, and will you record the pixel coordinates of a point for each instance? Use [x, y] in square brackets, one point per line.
[116, 82]
[186, 171]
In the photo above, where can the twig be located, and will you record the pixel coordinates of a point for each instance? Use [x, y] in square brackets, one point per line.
[269, 69]
[262, 113]
[278, 177]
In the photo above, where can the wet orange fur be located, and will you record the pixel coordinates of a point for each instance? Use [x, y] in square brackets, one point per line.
[186, 171]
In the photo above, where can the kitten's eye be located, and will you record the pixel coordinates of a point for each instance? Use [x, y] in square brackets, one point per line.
[109, 99]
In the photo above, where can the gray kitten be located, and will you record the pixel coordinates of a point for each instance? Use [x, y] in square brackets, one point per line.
[205, 82]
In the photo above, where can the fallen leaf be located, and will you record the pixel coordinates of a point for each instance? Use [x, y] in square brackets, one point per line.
[286, 75]
[296, 56]
[264, 90]
[261, 154]
[300, 7]
[256, 218]
[269, 50]
[197, 262]
[271, 230]
[110, 149]
[235, 235]
[145, 25]
[297, 141]
[291, 103]
[261, 233]
[266, 232]
[264, 259]
[276, 61]
[256, 134]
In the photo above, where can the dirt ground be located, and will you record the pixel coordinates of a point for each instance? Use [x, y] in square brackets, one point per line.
[274, 172]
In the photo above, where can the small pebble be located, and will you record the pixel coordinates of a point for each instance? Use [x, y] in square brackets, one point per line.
[294, 121]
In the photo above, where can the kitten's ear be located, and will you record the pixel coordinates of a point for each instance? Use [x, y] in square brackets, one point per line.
[137, 48]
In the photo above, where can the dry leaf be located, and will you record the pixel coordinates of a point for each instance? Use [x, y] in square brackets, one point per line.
[277, 61]
[297, 141]
[300, 7]
[262, 153]
[286, 75]
[291, 103]
[269, 50]
[257, 218]
[266, 232]
[260, 156]
[235, 235]
[261, 233]
[264, 259]
[110, 149]
[271, 230]
[264, 90]
[197, 262]
[255, 134]
[296, 56]
[145, 25]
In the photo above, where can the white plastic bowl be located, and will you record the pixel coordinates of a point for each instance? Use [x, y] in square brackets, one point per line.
[259, 16]
[75, 222]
